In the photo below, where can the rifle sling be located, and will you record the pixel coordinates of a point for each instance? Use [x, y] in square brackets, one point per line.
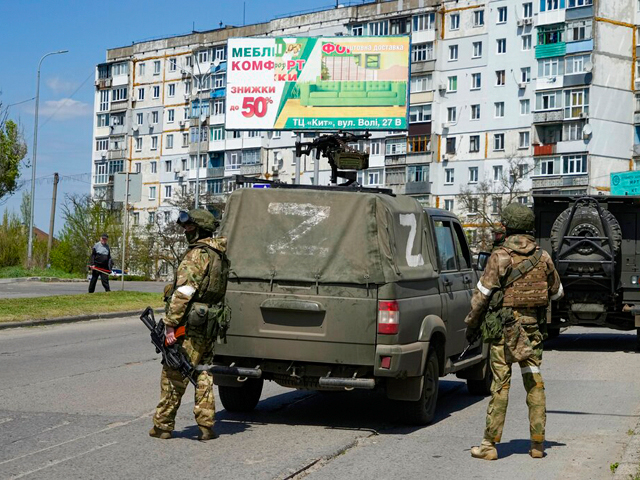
[178, 332]
[523, 268]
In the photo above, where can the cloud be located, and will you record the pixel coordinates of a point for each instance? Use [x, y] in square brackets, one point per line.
[58, 85]
[65, 109]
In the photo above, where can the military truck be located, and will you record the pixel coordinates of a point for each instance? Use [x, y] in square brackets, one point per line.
[594, 245]
[342, 288]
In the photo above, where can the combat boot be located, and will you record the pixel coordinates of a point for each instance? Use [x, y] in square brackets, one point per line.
[537, 450]
[207, 433]
[158, 433]
[486, 451]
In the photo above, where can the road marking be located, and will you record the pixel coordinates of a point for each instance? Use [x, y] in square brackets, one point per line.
[53, 463]
[5, 420]
[56, 426]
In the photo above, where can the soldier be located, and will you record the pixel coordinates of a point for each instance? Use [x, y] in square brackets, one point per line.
[515, 289]
[196, 299]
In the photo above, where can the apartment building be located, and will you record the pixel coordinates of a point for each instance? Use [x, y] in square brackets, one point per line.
[507, 97]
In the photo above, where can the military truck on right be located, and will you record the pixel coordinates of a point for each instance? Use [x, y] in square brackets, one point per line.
[593, 241]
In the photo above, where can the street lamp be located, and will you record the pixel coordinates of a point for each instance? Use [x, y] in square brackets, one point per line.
[33, 166]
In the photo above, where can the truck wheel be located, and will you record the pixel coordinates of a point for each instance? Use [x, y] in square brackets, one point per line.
[586, 223]
[483, 386]
[243, 398]
[422, 411]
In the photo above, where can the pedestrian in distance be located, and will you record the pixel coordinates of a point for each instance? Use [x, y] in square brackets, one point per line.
[509, 307]
[100, 264]
[195, 315]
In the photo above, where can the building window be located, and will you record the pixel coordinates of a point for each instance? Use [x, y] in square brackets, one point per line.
[549, 35]
[575, 164]
[548, 100]
[102, 144]
[167, 192]
[136, 218]
[120, 69]
[420, 113]
[576, 103]
[451, 114]
[171, 115]
[167, 166]
[219, 81]
[154, 164]
[422, 52]
[473, 174]
[139, 118]
[218, 107]
[185, 139]
[550, 67]
[156, 91]
[357, 30]
[500, 78]
[422, 83]
[173, 64]
[478, 18]
[524, 140]
[498, 142]
[169, 141]
[419, 144]
[525, 107]
[141, 69]
[218, 134]
[474, 143]
[378, 29]
[476, 81]
[396, 147]
[156, 67]
[425, 21]
[523, 200]
[525, 74]
[499, 109]
[527, 10]
[118, 94]
[154, 117]
[233, 161]
[154, 142]
[575, 64]
[454, 21]
[138, 144]
[448, 175]
[572, 131]
[141, 94]
[579, 30]
[152, 193]
[103, 120]
[502, 15]
[448, 205]
[475, 112]
[137, 167]
[501, 46]
[552, 4]
[583, 3]
[477, 49]
[251, 157]
[453, 53]
[220, 53]
[183, 163]
[452, 85]
[172, 90]
[451, 145]
[545, 167]
[375, 148]
[496, 205]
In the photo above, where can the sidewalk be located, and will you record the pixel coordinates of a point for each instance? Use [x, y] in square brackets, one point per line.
[40, 279]
[77, 318]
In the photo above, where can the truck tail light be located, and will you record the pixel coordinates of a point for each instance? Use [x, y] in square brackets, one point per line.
[388, 318]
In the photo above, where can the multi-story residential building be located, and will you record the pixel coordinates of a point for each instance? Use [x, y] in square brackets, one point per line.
[516, 96]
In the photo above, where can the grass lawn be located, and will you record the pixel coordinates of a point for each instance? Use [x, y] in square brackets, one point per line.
[17, 272]
[19, 309]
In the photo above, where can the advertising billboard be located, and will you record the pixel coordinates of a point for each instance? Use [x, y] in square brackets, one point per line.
[317, 83]
[625, 183]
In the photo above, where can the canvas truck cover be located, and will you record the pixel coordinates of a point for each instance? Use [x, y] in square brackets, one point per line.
[325, 236]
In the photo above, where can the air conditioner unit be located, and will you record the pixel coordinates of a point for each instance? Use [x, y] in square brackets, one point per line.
[522, 85]
[181, 123]
[528, 21]
[521, 23]
[584, 115]
[135, 129]
[176, 169]
[442, 86]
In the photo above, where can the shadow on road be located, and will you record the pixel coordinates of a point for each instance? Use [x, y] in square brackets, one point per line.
[521, 447]
[607, 341]
[356, 410]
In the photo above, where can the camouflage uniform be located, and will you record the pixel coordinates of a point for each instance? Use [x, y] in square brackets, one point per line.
[538, 285]
[195, 344]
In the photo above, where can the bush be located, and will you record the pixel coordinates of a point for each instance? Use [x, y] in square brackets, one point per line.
[13, 241]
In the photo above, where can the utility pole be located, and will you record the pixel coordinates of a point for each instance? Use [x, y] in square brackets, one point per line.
[125, 218]
[56, 179]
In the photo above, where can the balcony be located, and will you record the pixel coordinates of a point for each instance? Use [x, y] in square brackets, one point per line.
[551, 50]
[116, 154]
[203, 147]
[414, 188]
[580, 46]
[577, 79]
[391, 160]
[218, 92]
[579, 12]
[103, 83]
[251, 169]
[542, 150]
[549, 116]
[119, 105]
[215, 172]
[560, 181]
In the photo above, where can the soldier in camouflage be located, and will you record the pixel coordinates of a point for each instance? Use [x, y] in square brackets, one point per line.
[521, 306]
[191, 285]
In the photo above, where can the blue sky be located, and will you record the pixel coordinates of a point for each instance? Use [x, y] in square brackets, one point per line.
[29, 29]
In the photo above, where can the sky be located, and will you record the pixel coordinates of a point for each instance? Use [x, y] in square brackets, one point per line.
[29, 29]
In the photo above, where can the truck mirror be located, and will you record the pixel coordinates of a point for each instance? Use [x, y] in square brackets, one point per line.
[483, 258]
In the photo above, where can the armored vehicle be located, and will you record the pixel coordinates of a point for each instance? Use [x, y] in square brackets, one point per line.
[594, 244]
[346, 288]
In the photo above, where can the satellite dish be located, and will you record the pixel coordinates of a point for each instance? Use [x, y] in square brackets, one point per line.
[203, 117]
[588, 66]
[587, 131]
[216, 62]
[279, 162]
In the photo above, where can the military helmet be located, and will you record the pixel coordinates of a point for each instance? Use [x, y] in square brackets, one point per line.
[200, 217]
[517, 216]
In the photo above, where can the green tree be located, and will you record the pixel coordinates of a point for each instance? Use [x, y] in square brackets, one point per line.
[12, 152]
[13, 241]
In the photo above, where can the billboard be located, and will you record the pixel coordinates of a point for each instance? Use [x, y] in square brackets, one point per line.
[625, 183]
[317, 83]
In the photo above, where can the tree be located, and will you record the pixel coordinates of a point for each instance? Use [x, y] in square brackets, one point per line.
[12, 152]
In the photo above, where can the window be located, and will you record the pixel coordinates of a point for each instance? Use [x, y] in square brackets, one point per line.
[172, 90]
[203, 56]
[452, 85]
[501, 45]
[183, 163]
[496, 205]
[453, 53]
[117, 119]
[167, 166]
[474, 143]
[119, 69]
[173, 64]
[169, 141]
[499, 109]
[473, 174]
[103, 120]
[233, 161]
[141, 94]
[396, 147]
[156, 67]
[152, 193]
[500, 78]
[156, 91]
[552, 4]
[550, 67]
[418, 173]
[451, 145]
[167, 194]
[448, 175]
[583, 3]
[448, 204]
[572, 131]
[527, 10]
[477, 49]
[219, 81]
[137, 167]
[575, 164]
[420, 113]
[154, 142]
[524, 139]
[136, 218]
[375, 148]
[102, 144]
[421, 52]
[357, 30]
[502, 15]
[138, 144]
[154, 117]
[579, 30]
[576, 64]
[454, 21]
[546, 167]
[425, 21]
[526, 42]
[379, 28]
[478, 18]
[444, 242]
[141, 69]
[218, 133]
[525, 107]
[139, 118]
[548, 100]
[152, 217]
[451, 114]
[185, 139]
[476, 81]
[171, 115]
[104, 100]
[220, 53]
[576, 103]
[549, 35]
[421, 83]
[251, 157]
[118, 94]
[523, 200]
[475, 112]
[498, 142]
[218, 107]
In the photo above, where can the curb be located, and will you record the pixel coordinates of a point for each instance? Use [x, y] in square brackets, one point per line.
[77, 318]
[630, 463]
[41, 279]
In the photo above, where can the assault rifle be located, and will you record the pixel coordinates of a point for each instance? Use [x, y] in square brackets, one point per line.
[475, 338]
[171, 355]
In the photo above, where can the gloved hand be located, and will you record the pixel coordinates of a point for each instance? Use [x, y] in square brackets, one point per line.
[471, 333]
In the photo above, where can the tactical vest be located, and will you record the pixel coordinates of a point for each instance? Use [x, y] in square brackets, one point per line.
[531, 289]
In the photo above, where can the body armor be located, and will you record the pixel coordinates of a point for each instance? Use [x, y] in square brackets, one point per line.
[530, 290]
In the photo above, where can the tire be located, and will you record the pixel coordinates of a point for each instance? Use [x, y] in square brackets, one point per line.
[243, 398]
[423, 411]
[482, 387]
[586, 222]
[553, 333]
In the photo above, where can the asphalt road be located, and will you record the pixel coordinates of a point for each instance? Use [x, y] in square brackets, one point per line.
[76, 401]
[45, 289]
